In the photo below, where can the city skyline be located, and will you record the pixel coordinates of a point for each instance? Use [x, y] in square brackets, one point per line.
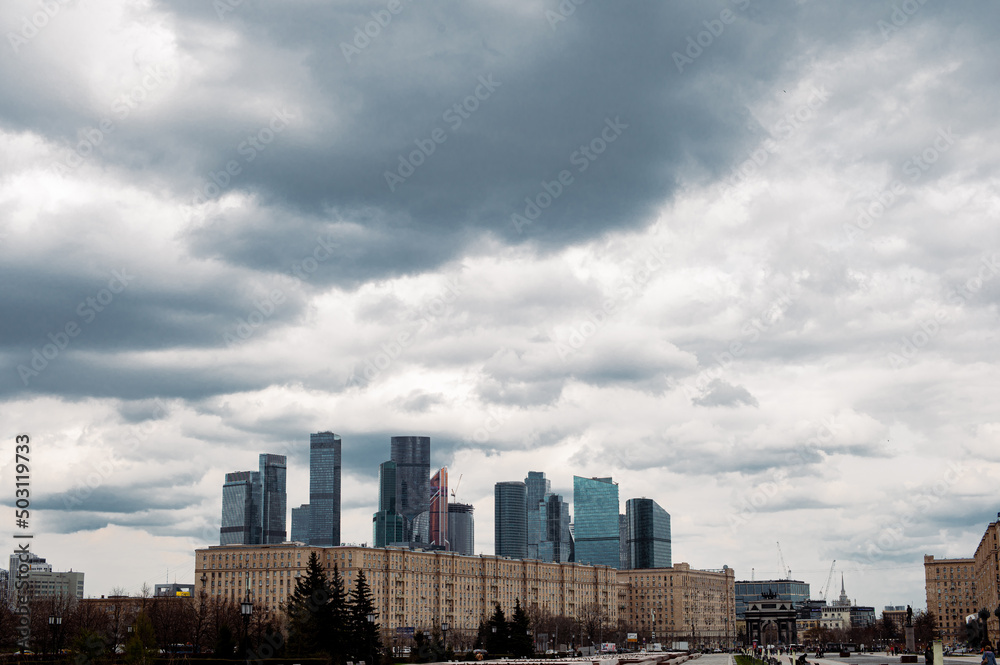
[740, 257]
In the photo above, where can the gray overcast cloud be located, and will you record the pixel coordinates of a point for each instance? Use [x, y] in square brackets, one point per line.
[741, 256]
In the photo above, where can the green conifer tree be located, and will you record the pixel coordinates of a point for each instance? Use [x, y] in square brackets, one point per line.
[337, 621]
[520, 635]
[308, 610]
[365, 637]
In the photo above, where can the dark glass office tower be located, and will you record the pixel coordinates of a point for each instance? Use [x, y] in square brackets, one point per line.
[388, 526]
[324, 489]
[241, 509]
[556, 543]
[273, 502]
[300, 523]
[412, 455]
[510, 531]
[595, 519]
[461, 529]
[648, 534]
[537, 487]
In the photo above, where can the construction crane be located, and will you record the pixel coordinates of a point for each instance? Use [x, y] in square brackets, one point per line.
[828, 579]
[456, 486]
[785, 570]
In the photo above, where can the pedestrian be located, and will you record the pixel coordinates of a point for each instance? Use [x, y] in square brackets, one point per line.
[988, 657]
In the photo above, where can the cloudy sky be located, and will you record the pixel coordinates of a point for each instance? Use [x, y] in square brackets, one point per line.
[740, 256]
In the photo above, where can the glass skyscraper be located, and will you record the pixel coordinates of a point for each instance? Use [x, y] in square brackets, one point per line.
[461, 529]
[241, 509]
[648, 534]
[510, 532]
[595, 506]
[412, 455]
[537, 486]
[273, 501]
[324, 489]
[438, 519]
[300, 523]
[388, 526]
[556, 543]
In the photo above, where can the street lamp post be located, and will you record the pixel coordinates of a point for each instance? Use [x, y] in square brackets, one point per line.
[54, 624]
[246, 610]
[444, 633]
[371, 644]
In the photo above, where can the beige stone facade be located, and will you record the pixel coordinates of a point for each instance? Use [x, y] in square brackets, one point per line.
[411, 588]
[679, 604]
[987, 575]
[951, 594]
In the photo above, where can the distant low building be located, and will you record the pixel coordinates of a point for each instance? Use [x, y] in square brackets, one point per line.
[173, 590]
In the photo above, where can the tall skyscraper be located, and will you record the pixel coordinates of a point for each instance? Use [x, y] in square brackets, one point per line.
[273, 502]
[556, 543]
[324, 489]
[648, 530]
[388, 526]
[595, 507]
[461, 528]
[537, 486]
[241, 509]
[439, 509]
[412, 455]
[623, 552]
[300, 524]
[510, 532]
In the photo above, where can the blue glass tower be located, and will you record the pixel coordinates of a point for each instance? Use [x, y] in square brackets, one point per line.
[300, 523]
[241, 509]
[273, 499]
[510, 532]
[595, 504]
[537, 486]
[388, 526]
[648, 534]
[324, 489]
[412, 455]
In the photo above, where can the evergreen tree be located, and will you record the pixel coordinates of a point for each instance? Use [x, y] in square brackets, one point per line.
[337, 621]
[141, 647]
[365, 639]
[307, 609]
[520, 633]
[499, 633]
